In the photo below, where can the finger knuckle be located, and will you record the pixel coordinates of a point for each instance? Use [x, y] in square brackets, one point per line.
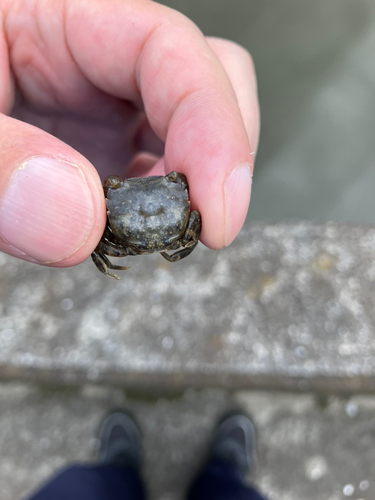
[233, 50]
[241, 53]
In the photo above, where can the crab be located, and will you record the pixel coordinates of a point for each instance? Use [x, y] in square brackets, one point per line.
[147, 215]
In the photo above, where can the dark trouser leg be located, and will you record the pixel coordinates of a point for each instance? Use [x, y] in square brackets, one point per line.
[102, 482]
[221, 481]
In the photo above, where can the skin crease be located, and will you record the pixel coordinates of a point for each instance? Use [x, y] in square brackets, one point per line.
[94, 83]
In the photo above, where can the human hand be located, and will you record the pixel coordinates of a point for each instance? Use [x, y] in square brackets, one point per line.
[110, 83]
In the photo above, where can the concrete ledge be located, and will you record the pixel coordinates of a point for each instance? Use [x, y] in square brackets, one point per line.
[287, 306]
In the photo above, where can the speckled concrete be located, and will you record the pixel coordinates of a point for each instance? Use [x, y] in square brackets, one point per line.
[310, 449]
[287, 306]
[43, 429]
[314, 448]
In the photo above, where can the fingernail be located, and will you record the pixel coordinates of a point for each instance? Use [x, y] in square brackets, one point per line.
[47, 212]
[237, 190]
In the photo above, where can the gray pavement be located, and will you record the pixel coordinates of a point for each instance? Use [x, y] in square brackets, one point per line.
[287, 306]
[307, 449]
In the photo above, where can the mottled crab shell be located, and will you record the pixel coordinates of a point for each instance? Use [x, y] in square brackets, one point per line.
[149, 213]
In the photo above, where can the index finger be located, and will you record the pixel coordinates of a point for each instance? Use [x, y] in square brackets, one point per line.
[145, 52]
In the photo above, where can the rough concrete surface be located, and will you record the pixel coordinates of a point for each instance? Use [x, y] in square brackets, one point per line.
[288, 306]
[307, 449]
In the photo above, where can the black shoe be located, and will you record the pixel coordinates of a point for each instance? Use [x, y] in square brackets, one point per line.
[120, 441]
[234, 441]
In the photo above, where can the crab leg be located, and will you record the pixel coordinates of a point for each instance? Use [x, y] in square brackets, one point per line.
[180, 254]
[102, 263]
[193, 229]
[109, 248]
[190, 239]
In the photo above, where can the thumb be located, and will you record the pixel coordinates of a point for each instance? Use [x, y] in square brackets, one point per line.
[52, 208]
